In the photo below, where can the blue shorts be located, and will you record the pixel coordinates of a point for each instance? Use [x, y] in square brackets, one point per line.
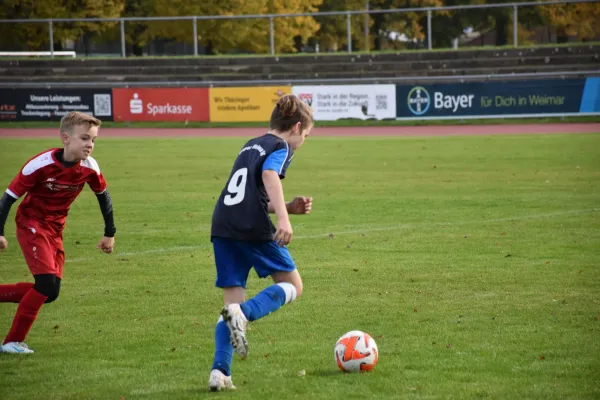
[235, 258]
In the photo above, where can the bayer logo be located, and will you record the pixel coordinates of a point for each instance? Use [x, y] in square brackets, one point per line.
[418, 100]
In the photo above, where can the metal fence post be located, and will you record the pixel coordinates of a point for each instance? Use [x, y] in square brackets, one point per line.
[348, 33]
[51, 33]
[123, 50]
[429, 29]
[367, 44]
[272, 35]
[515, 26]
[195, 35]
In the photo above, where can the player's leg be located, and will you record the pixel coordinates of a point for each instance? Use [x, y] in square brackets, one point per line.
[40, 252]
[220, 375]
[232, 273]
[235, 319]
[271, 260]
[14, 292]
[45, 290]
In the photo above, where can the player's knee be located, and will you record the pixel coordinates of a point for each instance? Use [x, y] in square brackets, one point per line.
[291, 283]
[297, 285]
[49, 286]
[53, 296]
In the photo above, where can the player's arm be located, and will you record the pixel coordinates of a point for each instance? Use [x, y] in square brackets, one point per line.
[106, 207]
[274, 190]
[6, 202]
[98, 185]
[108, 241]
[300, 205]
[277, 162]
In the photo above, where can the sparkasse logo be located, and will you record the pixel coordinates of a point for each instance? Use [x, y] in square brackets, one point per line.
[136, 106]
[161, 104]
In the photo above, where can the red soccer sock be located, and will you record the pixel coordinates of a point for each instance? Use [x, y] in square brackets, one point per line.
[26, 314]
[13, 293]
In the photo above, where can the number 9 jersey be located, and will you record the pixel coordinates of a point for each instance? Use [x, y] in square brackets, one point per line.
[242, 211]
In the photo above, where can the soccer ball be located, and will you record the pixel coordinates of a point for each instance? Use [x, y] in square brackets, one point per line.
[356, 351]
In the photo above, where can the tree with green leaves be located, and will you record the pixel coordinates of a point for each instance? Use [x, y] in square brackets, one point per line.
[36, 35]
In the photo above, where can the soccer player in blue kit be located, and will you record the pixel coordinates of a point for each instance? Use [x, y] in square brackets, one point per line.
[243, 235]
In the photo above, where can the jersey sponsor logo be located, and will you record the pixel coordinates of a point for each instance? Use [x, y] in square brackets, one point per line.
[257, 147]
[56, 187]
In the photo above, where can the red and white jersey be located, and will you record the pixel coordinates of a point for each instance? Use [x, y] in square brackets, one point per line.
[51, 187]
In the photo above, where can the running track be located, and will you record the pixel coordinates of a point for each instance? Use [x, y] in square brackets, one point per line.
[440, 130]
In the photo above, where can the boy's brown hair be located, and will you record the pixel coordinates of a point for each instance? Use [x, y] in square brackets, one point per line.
[289, 111]
[76, 118]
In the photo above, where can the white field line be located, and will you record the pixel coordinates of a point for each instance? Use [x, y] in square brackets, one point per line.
[348, 232]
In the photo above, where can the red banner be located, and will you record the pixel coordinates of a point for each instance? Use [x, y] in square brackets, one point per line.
[161, 104]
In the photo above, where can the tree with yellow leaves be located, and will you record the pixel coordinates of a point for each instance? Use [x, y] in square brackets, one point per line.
[252, 35]
[579, 19]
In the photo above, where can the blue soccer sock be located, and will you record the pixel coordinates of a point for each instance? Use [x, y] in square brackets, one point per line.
[269, 300]
[223, 348]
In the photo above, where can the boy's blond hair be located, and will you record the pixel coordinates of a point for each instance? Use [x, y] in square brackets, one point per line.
[76, 118]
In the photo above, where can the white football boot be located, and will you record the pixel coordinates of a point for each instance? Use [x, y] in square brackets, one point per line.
[236, 322]
[15, 348]
[219, 381]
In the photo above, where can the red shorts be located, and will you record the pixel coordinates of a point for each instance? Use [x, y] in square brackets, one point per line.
[42, 248]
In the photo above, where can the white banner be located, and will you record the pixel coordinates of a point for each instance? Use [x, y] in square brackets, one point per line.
[330, 103]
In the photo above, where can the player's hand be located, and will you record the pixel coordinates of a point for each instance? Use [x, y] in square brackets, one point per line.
[106, 244]
[3, 243]
[300, 205]
[283, 235]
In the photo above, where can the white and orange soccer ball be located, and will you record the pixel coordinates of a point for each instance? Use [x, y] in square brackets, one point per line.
[356, 351]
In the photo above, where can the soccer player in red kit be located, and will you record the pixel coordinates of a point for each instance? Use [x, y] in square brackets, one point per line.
[52, 181]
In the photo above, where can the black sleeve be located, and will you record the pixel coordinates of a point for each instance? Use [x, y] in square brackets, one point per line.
[6, 203]
[107, 212]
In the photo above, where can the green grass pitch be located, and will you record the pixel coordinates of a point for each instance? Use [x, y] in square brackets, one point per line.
[473, 262]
